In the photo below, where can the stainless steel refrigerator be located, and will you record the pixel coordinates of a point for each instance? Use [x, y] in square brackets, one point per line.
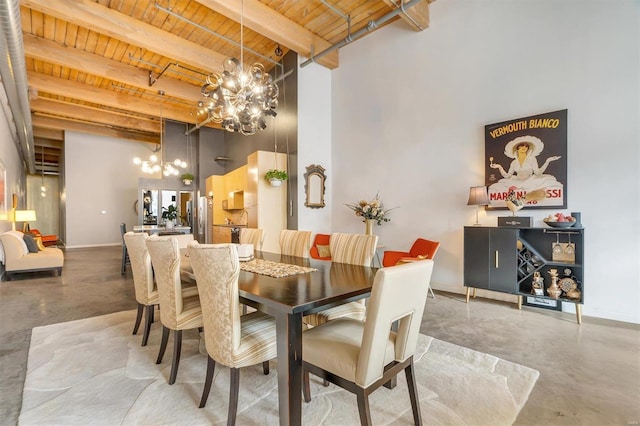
[205, 221]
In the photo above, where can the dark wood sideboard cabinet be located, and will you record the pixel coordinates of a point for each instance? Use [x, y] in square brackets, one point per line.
[508, 260]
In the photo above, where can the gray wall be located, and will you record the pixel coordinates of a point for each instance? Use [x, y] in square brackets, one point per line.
[238, 146]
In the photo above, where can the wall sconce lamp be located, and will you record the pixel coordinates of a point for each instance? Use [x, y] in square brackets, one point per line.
[210, 198]
[478, 197]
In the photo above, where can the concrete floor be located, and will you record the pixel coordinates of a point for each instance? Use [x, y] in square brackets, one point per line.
[589, 373]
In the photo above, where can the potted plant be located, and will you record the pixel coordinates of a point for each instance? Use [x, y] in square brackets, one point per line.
[187, 178]
[275, 176]
[169, 214]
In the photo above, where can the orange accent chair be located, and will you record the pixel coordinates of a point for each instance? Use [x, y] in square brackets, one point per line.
[47, 240]
[320, 240]
[421, 249]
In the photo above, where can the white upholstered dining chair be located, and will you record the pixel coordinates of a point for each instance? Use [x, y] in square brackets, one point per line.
[231, 339]
[179, 306]
[355, 249]
[143, 283]
[362, 356]
[295, 243]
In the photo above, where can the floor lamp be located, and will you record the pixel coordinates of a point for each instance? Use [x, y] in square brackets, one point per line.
[478, 197]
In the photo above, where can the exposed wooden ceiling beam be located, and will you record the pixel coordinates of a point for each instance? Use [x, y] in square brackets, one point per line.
[99, 18]
[88, 93]
[52, 134]
[85, 113]
[417, 16]
[58, 123]
[264, 20]
[50, 51]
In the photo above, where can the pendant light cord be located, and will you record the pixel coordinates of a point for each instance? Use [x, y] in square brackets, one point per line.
[286, 134]
[242, 36]
[275, 130]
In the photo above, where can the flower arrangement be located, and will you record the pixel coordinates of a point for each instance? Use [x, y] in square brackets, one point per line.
[371, 210]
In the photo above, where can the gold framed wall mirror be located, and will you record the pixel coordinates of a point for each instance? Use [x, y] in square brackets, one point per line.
[314, 186]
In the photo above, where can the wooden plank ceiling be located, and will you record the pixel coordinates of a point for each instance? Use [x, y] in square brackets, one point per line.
[114, 67]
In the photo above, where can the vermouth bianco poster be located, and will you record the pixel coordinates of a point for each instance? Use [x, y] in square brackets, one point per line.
[525, 155]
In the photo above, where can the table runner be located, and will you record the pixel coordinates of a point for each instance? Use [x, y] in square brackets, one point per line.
[273, 269]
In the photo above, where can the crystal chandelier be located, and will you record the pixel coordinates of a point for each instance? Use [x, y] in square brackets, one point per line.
[155, 165]
[238, 99]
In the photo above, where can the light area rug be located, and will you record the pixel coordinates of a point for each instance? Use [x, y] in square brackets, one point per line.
[94, 372]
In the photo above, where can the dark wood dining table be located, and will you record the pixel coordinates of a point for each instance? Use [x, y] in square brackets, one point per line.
[289, 299]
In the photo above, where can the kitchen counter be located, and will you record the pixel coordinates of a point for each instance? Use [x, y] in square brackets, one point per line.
[227, 233]
[154, 229]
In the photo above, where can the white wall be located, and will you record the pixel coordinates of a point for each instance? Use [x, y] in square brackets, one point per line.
[409, 109]
[314, 142]
[101, 187]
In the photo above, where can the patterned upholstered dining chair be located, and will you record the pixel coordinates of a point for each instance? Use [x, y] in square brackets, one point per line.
[231, 339]
[143, 283]
[253, 236]
[362, 356]
[355, 249]
[295, 243]
[179, 306]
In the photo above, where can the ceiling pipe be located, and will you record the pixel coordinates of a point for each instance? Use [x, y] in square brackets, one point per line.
[409, 17]
[372, 25]
[14, 79]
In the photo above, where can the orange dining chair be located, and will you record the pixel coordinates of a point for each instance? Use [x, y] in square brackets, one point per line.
[421, 249]
[47, 240]
[320, 247]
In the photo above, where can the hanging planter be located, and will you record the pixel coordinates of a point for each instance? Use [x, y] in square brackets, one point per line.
[275, 177]
[187, 178]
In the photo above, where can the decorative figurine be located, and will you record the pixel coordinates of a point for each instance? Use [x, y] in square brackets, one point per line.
[537, 284]
[569, 285]
[553, 290]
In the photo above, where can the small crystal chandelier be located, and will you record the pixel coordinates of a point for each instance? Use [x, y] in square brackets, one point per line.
[238, 99]
[155, 165]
